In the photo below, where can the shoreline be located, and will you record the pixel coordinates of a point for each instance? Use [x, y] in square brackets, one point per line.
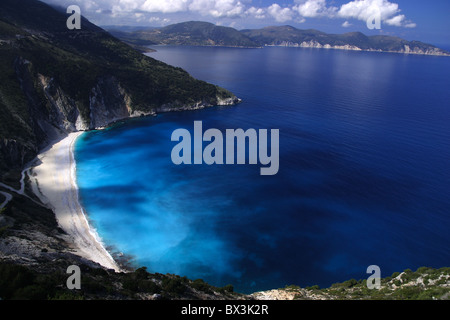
[54, 183]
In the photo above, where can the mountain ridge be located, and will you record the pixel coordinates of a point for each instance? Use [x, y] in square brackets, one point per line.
[186, 33]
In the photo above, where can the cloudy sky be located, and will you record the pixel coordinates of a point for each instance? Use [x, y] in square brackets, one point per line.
[422, 20]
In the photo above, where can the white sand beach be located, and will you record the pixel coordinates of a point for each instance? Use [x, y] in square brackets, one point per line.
[55, 184]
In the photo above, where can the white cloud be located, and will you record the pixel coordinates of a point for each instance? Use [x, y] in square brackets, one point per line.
[297, 11]
[314, 8]
[166, 6]
[139, 16]
[346, 24]
[258, 13]
[366, 9]
[158, 20]
[280, 14]
[395, 21]
[228, 8]
[218, 8]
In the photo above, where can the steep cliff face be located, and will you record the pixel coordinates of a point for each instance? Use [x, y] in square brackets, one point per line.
[64, 113]
[292, 37]
[54, 114]
[108, 102]
[404, 48]
[177, 106]
[315, 44]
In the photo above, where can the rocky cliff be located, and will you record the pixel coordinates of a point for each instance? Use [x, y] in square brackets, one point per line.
[406, 48]
[293, 37]
[54, 81]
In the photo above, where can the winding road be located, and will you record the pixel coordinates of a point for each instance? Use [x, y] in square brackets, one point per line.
[20, 191]
[8, 199]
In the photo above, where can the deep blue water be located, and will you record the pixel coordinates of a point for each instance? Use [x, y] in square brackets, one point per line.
[364, 172]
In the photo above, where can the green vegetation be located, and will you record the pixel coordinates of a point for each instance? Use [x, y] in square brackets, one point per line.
[291, 287]
[315, 287]
[201, 285]
[192, 33]
[21, 283]
[174, 285]
[3, 231]
[423, 284]
[228, 288]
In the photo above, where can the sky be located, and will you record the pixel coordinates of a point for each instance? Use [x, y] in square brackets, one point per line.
[426, 21]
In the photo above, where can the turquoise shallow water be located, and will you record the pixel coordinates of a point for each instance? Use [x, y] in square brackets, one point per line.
[364, 171]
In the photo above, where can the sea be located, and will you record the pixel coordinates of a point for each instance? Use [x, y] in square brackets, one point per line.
[363, 179]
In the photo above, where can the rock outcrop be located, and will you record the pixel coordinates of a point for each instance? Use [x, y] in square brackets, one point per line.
[406, 49]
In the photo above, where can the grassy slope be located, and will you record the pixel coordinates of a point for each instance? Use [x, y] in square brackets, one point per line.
[422, 284]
